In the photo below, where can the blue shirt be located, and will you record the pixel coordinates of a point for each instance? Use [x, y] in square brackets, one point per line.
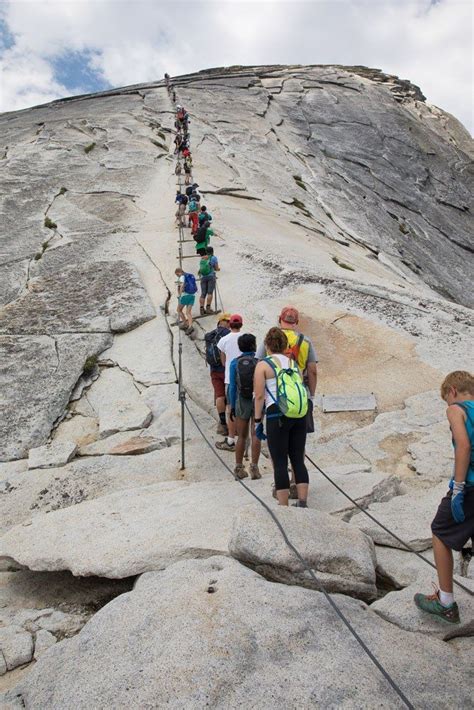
[213, 263]
[468, 408]
[232, 391]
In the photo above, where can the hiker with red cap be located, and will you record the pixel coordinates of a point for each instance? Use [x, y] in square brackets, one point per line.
[229, 349]
[301, 350]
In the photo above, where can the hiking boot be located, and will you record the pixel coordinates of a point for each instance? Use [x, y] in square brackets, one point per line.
[183, 326]
[293, 491]
[300, 504]
[189, 330]
[202, 311]
[254, 472]
[222, 429]
[224, 446]
[209, 311]
[240, 472]
[432, 605]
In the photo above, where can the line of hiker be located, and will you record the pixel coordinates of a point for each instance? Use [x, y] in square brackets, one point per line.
[276, 382]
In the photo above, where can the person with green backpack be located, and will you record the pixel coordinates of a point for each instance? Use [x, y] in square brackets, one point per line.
[279, 388]
[207, 271]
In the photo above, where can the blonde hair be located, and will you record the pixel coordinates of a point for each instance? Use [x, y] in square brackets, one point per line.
[460, 379]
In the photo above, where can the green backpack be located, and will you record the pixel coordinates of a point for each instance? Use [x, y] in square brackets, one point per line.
[205, 268]
[292, 397]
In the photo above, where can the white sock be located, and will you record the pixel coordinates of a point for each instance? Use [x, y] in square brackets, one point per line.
[230, 440]
[446, 598]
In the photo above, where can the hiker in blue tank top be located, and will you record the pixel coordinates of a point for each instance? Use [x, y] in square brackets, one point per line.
[453, 524]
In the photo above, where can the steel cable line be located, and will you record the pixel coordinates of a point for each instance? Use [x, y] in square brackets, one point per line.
[369, 515]
[319, 585]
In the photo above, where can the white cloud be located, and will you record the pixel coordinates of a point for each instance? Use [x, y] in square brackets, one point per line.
[428, 43]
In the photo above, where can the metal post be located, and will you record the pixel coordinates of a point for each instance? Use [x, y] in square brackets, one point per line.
[182, 399]
[215, 297]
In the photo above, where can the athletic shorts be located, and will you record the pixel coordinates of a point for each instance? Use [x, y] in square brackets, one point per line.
[453, 534]
[217, 379]
[244, 408]
[187, 299]
[208, 284]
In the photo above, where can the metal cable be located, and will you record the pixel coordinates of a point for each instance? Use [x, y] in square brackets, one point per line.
[369, 515]
[319, 585]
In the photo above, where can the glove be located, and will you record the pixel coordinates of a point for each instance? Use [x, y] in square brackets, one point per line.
[232, 415]
[457, 501]
[259, 433]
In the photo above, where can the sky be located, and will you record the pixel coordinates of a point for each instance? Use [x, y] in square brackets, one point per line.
[55, 48]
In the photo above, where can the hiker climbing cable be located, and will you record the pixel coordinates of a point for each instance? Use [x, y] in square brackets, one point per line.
[241, 384]
[202, 238]
[217, 369]
[453, 525]
[208, 266]
[229, 350]
[187, 289]
[279, 388]
[204, 215]
[301, 350]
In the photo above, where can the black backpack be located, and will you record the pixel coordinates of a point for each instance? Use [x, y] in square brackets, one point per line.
[245, 369]
[213, 354]
[200, 235]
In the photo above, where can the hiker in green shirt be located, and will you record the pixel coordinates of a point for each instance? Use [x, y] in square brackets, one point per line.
[202, 238]
[207, 271]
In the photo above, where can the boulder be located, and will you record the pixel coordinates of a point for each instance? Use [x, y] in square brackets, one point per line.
[52, 455]
[16, 646]
[130, 532]
[341, 560]
[212, 633]
[43, 641]
[122, 444]
[408, 516]
[399, 608]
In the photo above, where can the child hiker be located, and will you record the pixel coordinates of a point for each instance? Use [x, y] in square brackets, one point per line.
[453, 524]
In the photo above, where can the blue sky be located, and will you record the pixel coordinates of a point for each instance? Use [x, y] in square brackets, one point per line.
[54, 48]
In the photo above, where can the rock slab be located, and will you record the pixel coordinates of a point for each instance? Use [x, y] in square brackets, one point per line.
[52, 455]
[212, 633]
[342, 559]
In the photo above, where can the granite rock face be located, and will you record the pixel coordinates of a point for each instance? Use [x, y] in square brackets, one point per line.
[212, 633]
[337, 190]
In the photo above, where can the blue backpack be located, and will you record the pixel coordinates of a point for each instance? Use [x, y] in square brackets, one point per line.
[190, 285]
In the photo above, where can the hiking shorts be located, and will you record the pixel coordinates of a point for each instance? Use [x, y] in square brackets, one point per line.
[453, 534]
[217, 379]
[208, 284]
[187, 299]
[244, 408]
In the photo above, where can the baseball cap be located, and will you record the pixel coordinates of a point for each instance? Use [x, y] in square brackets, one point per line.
[235, 319]
[223, 316]
[289, 315]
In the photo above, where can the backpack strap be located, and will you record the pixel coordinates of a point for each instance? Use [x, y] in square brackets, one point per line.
[273, 366]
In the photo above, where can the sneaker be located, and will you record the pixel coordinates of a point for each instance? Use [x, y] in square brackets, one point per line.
[432, 605]
[240, 472]
[293, 491]
[189, 330]
[209, 311]
[202, 311]
[300, 504]
[222, 429]
[254, 472]
[224, 446]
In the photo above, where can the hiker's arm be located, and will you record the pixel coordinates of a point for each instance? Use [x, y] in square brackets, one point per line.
[259, 389]
[462, 445]
[232, 385]
[312, 373]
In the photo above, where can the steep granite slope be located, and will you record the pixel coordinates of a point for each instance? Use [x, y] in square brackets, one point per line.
[335, 189]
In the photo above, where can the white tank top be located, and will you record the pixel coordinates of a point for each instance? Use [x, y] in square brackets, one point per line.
[270, 384]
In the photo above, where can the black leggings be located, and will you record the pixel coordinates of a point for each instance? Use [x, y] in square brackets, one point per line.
[286, 438]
